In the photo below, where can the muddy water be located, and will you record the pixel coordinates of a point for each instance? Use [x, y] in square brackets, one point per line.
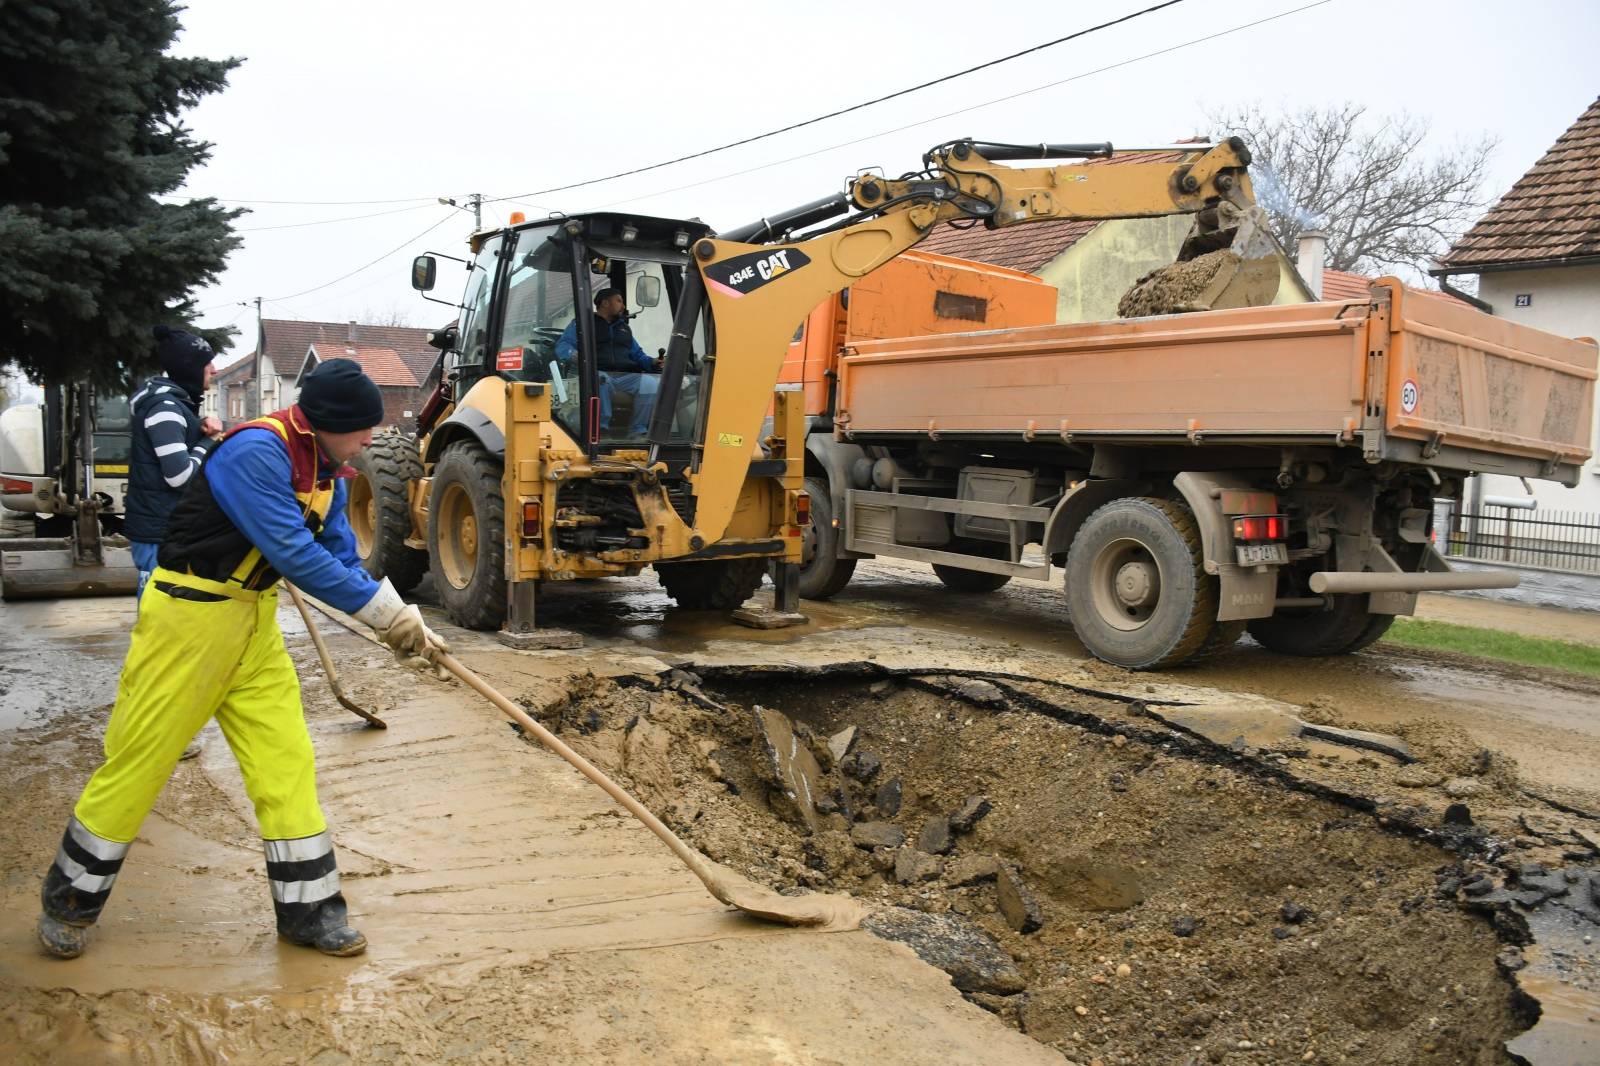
[514, 914]
[57, 656]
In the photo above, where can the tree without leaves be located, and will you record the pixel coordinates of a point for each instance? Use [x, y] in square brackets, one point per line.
[1384, 199]
[393, 315]
[89, 138]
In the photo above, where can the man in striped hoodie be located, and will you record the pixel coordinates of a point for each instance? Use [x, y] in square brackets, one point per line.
[169, 441]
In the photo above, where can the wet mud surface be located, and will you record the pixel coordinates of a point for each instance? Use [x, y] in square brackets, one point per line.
[517, 915]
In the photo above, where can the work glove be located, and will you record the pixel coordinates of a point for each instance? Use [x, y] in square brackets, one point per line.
[399, 625]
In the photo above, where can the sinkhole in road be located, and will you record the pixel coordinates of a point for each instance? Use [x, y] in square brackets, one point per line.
[1115, 896]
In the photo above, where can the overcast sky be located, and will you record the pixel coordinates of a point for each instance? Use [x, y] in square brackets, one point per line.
[409, 101]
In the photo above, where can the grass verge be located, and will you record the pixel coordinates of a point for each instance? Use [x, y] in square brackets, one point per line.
[1496, 644]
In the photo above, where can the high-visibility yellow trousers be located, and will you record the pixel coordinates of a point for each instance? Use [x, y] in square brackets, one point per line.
[201, 649]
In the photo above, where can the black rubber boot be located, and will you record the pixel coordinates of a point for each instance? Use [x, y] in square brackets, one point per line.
[76, 888]
[305, 894]
[322, 927]
[60, 939]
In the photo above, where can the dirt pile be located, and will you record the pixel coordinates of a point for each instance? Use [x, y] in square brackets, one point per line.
[1115, 900]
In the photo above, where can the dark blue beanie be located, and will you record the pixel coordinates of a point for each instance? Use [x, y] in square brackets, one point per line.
[338, 398]
[183, 358]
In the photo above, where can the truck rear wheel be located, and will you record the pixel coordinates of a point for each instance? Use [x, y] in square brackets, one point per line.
[380, 516]
[716, 585]
[1346, 627]
[1137, 590]
[466, 524]
[822, 572]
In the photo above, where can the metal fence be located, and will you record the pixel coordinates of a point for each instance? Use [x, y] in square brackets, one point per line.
[1558, 540]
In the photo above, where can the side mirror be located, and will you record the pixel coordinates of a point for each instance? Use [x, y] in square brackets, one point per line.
[647, 291]
[424, 271]
[444, 339]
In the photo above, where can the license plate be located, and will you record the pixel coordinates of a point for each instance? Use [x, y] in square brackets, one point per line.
[1260, 554]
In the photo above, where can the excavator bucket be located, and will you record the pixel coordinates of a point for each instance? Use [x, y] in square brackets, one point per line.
[84, 564]
[49, 567]
[1229, 259]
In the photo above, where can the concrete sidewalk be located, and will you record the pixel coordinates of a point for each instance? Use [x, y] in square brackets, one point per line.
[1551, 623]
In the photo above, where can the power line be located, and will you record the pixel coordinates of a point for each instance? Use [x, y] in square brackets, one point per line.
[401, 247]
[974, 107]
[328, 203]
[853, 107]
[331, 221]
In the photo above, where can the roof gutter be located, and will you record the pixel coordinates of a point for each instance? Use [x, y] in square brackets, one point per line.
[1443, 278]
[1527, 264]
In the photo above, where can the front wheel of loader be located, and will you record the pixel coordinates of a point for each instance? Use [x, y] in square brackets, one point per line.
[717, 585]
[1137, 590]
[380, 514]
[466, 522]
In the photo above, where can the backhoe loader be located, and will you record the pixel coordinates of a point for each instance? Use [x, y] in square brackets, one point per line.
[517, 475]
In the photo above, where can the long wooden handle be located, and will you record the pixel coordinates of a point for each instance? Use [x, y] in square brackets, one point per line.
[688, 855]
[316, 637]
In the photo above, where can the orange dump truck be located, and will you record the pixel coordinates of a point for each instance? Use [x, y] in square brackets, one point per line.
[1193, 475]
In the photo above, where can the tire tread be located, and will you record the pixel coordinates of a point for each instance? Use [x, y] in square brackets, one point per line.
[391, 463]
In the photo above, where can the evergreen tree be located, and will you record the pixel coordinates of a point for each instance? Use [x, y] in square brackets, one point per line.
[90, 137]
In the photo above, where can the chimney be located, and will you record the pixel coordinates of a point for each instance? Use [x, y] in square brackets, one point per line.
[350, 337]
[1312, 251]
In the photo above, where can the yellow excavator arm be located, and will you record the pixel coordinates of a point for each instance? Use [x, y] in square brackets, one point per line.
[759, 291]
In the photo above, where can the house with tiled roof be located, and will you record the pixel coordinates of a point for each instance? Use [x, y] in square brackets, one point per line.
[401, 388]
[1091, 264]
[398, 358]
[1536, 254]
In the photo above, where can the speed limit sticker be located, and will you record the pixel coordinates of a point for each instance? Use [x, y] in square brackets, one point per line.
[1408, 396]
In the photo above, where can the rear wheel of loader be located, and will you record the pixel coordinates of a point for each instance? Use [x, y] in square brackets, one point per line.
[380, 516]
[822, 572]
[1346, 627]
[717, 585]
[466, 522]
[1137, 590]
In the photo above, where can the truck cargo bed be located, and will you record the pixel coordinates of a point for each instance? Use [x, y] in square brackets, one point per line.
[1410, 376]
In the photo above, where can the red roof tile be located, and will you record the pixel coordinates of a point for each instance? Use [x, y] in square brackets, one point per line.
[1552, 212]
[1031, 245]
[383, 365]
[1343, 285]
[287, 341]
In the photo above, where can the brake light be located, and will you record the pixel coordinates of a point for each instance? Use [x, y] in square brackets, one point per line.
[532, 519]
[11, 484]
[802, 508]
[1261, 527]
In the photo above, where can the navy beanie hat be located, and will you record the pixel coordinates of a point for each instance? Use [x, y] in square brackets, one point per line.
[183, 357]
[338, 398]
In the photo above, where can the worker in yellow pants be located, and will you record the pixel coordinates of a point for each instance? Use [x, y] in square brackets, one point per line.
[268, 501]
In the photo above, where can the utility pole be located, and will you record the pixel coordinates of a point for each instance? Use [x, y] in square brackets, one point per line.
[476, 199]
[261, 355]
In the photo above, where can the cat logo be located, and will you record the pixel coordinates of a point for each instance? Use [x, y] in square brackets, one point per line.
[746, 273]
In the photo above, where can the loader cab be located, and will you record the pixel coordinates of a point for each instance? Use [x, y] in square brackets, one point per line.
[529, 314]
